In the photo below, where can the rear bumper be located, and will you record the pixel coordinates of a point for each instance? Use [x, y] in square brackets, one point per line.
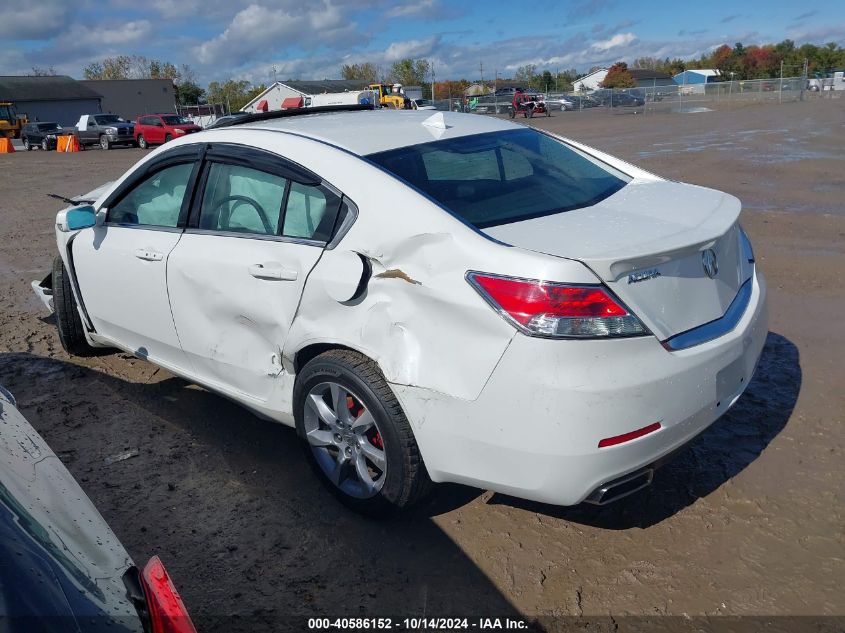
[535, 429]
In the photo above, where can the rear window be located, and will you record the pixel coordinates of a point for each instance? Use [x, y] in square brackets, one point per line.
[502, 177]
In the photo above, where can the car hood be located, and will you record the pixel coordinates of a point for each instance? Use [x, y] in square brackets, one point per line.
[62, 564]
[186, 126]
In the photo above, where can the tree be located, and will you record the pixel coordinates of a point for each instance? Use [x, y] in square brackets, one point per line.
[235, 93]
[547, 81]
[447, 89]
[189, 93]
[365, 72]
[38, 71]
[618, 77]
[119, 67]
[411, 72]
[646, 63]
[525, 74]
[134, 67]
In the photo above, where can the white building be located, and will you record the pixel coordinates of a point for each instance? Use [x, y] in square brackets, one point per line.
[272, 98]
[591, 81]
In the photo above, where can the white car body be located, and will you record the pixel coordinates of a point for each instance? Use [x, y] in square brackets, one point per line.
[490, 406]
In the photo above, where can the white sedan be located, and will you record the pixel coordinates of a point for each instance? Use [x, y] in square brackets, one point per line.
[446, 298]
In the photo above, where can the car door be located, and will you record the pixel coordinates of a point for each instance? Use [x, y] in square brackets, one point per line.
[121, 263]
[257, 228]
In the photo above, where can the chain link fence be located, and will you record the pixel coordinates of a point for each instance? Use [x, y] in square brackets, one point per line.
[652, 99]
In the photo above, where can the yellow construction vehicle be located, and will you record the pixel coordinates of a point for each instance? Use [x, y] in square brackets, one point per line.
[391, 96]
[10, 121]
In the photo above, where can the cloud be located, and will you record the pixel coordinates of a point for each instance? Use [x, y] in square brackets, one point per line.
[411, 48]
[805, 15]
[259, 29]
[425, 10]
[587, 8]
[620, 39]
[730, 18]
[36, 21]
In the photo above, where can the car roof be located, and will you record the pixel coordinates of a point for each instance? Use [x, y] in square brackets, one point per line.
[368, 132]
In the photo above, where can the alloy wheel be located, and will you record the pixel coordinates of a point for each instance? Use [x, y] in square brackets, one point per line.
[345, 440]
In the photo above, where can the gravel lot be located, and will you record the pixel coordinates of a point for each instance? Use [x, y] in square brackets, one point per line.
[749, 521]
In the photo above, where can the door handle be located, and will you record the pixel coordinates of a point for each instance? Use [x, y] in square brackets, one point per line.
[272, 270]
[148, 255]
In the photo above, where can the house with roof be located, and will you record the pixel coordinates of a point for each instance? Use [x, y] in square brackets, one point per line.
[694, 80]
[56, 98]
[591, 81]
[273, 97]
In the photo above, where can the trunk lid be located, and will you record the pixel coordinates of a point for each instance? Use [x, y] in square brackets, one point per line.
[648, 242]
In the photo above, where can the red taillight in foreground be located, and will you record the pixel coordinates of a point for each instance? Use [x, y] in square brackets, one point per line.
[549, 309]
[627, 437]
[167, 611]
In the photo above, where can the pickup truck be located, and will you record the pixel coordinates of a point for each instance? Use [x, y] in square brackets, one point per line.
[105, 130]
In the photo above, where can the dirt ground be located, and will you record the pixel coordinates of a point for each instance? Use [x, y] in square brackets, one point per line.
[748, 522]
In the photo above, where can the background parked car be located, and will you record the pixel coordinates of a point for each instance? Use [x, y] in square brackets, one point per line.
[226, 119]
[63, 569]
[422, 104]
[41, 135]
[104, 130]
[581, 102]
[155, 129]
[559, 102]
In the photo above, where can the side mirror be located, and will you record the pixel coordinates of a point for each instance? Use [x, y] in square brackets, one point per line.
[80, 218]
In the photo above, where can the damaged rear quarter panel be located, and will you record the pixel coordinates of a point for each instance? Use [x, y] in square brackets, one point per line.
[417, 316]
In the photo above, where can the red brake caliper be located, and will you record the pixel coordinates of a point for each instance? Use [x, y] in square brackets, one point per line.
[357, 410]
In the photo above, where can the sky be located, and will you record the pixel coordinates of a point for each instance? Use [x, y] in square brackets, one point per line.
[258, 40]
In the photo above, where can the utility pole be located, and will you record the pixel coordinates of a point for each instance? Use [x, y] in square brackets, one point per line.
[432, 81]
[274, 73]
[780, 84]
[481, 72]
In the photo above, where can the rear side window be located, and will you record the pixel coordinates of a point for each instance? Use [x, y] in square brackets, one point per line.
[242, 200]
[156, 201]
[311, 212]
[502, 177]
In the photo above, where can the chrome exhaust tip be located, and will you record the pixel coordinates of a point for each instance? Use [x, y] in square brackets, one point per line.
[621, 487]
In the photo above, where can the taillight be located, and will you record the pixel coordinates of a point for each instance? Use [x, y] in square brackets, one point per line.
[543, 308]
[166, 610]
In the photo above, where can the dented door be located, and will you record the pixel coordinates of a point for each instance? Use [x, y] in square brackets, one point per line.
[233, 301]
[236, 277]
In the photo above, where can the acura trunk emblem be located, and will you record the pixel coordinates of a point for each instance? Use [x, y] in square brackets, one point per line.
[708, 261]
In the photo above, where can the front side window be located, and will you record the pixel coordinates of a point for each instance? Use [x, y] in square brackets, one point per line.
[502, 177]
[156, 201]
[242, 200]
[174, 120]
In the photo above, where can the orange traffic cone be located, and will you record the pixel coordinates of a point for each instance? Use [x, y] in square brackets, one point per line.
[6, 146]
[68, 143]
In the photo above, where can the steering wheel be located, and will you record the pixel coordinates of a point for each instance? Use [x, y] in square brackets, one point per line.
[224, 220]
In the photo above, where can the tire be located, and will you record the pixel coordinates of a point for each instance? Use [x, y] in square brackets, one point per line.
[44, 145]
[396, 482]
[68, 321]
[142, 142]
[105, 143]
[167, 138]
[26, 145]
